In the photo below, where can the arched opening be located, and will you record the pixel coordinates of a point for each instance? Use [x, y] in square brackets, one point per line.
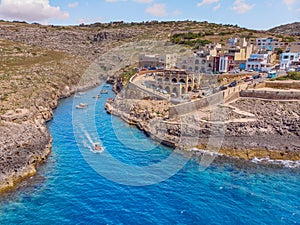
[184, 67]
[182, 80]
[174, 80]
[183, 90]
[196, 68]
[167, 88]
[175, 91]
[189, 88]
[167, 79]
[159, 79]
[190, 81]
[197, 61]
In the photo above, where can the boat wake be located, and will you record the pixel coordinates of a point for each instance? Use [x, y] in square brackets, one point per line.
[90, 144]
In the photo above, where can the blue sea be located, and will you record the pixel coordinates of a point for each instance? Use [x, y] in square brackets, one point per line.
[138, 181]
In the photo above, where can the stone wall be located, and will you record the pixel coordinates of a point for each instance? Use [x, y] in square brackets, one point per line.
[273, 95]
[217, 98]
[283, 84]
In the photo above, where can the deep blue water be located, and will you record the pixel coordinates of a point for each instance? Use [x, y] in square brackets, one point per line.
[77, 186]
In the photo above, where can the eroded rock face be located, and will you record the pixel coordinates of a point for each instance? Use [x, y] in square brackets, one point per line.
[250, 128]
[22, 146]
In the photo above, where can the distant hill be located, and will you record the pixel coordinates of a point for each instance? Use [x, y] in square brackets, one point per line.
[291, 29]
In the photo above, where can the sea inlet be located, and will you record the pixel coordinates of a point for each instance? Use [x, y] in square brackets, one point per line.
[78, 185]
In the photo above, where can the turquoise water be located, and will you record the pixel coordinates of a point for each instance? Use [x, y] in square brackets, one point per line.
[67, 190]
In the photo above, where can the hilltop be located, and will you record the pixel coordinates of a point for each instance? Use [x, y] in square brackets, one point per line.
[291, 29]
[93, 40]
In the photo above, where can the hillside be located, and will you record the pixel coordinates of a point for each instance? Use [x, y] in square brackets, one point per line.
[41, 64]
[80, 40]
[291, 29]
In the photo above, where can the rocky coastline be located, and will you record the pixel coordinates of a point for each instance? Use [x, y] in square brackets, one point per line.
[253, 128]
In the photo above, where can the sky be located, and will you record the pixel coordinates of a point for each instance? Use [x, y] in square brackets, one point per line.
[253, 14]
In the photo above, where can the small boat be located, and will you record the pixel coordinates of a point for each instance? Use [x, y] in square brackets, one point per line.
[81, 106]
[98, 148]
[97, 96]
[81, 93]
[104, 92]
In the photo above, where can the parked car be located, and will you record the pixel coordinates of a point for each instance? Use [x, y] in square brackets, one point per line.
[223, 88]
[257, 76]
[232, 84]
[248, 78]
[250, 70]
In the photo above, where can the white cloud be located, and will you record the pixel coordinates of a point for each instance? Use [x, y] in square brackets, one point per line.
[143, 1]
[289, 3]
[73, 4]
[158, 10]
[207, 2]
[241, 7]
[30, 10]
[217, 7]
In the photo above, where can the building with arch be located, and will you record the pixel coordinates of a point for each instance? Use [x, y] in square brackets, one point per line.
[178, 82]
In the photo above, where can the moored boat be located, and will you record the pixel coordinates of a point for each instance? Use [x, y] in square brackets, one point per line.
[104, 92]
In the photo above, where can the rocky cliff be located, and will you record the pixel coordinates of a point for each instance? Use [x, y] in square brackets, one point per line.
[32, 80]
[246, 128]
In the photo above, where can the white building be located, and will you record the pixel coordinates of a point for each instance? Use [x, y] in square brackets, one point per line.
[286, 59]
[223, 64]
[259, 62]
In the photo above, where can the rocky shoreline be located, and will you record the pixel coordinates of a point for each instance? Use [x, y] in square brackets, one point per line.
[253, 128]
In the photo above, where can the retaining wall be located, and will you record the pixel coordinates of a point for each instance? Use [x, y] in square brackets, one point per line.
[273, 95]
[217, 98]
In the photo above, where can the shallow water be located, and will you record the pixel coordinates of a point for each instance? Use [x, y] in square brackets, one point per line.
[67, 190]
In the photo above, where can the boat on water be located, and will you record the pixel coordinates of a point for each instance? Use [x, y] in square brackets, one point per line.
[97, 96]
[81, 106]
[98, 148]
[104, 92]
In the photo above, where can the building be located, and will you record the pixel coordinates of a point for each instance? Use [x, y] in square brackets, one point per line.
[176, 82]
[223, 63]
[260, 62]
[269, 44]
[200, 61]
[287, 59]
[166, 61]
[293, 47]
